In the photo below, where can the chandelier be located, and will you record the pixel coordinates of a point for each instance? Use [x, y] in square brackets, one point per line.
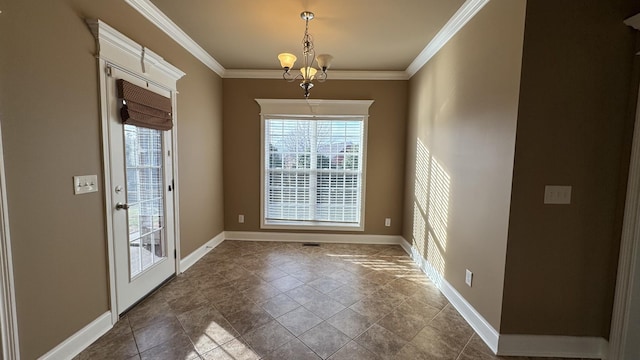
[308, 73]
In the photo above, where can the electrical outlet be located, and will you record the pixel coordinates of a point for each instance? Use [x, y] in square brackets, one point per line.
[241, 219]
[387, 222]
[468, 278]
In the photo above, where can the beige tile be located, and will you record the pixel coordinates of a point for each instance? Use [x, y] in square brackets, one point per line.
[325, 284]
[303, 294]
[430, 295]
[353, 351]
[261, 293]
[233, 302]
[247, 283]
[286, 283]
[436, 345]
[350, 322]
[227, 294]
[152, 310]
[268, 337]
[294, 349]
[346, 295]
[324, 339]
[187, 302]
[178, 287]
[233, 350]
[118, 346]
[414, 307]
[324, 307]
[450, 322]
[207, 328]
[270, 274]
[372, 308]
[381, 342]
[299, 320]
[178, 347]
[279, 305]
[410, 352]
[235, 273]
[248, 319]
[306, 275]
[402, 323]
[403, 286]
[157, 333]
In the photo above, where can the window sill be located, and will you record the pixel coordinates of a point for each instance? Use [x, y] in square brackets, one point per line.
[310, 225]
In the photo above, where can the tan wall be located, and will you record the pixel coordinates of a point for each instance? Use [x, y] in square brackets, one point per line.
[385, 144]
[460, 145]
[573, 118]
[49, 113]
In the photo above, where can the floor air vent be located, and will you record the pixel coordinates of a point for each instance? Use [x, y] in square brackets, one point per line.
[310, 244]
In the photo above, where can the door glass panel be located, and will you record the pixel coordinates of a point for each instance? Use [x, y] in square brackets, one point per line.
[145, 196]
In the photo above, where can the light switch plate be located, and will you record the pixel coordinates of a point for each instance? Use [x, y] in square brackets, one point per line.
[84, 184]
[554, 194]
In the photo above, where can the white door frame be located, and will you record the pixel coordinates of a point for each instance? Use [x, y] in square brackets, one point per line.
[628, 262]
[115, 49]
[8, 315]
[629, 258]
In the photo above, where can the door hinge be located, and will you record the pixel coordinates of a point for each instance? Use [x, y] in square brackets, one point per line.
[175, 253]
[172, 185]
[108, 71]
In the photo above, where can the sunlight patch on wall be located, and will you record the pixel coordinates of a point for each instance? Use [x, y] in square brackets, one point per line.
[430, 208]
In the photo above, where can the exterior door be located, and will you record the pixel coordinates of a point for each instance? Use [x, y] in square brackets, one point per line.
[142, 200]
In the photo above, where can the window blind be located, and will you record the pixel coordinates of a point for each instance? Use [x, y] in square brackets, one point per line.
[144, 108]
[313, 170]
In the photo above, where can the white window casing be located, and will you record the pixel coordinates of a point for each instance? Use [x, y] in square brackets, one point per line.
[313, 164]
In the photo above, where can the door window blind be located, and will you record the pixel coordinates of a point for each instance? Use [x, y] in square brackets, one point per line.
[144, 108]
[313, 170]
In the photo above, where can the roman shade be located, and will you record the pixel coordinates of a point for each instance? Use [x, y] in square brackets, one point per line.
[144, 108]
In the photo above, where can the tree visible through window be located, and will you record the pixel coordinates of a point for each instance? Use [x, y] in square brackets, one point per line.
[313, 170]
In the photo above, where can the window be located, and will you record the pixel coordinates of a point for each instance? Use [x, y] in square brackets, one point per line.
[313, 167]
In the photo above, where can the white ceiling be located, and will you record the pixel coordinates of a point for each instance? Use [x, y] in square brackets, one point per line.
[371, 35]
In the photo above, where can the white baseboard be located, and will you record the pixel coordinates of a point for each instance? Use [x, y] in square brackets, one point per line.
[192, 258]
[553, 346]
[512, 345]
[314, 237]
[79, 341]
[486, 332]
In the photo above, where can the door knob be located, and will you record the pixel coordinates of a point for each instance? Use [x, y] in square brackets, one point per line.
[121, 206]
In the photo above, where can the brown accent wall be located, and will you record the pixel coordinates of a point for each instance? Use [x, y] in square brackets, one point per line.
[460, 145]
[385, 146]
[49, 112]
[573, 129]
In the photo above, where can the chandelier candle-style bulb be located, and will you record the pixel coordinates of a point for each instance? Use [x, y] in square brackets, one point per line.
[308, 72]
[287, 60]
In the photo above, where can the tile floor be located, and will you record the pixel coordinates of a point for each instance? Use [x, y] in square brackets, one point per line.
[286, 301]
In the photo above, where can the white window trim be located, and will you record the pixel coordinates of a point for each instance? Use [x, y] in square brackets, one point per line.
[270, 108]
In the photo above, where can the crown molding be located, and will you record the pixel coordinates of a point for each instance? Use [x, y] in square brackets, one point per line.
[333, 75]
[162, 21]
[466, 12]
